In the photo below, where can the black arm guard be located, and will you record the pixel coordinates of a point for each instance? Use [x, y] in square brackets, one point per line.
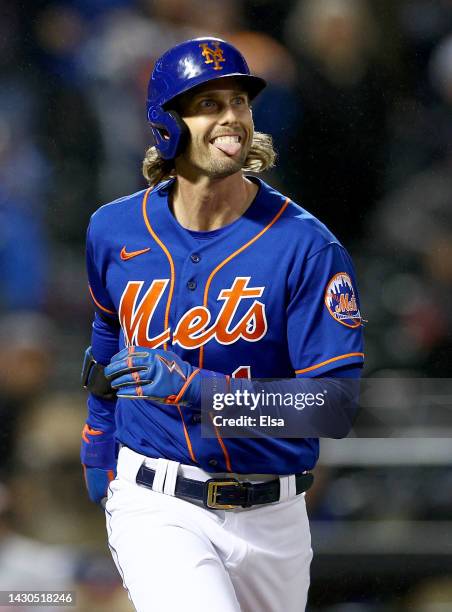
[93, 378]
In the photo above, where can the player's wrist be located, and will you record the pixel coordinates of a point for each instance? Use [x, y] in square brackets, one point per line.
[98, 449]
[207, 380]
[93, 378]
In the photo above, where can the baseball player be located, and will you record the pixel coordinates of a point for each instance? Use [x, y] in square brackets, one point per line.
[208, 273]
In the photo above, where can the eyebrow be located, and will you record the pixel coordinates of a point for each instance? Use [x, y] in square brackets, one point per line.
[212, 92]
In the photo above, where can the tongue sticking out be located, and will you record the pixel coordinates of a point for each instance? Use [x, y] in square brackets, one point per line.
[229, 146]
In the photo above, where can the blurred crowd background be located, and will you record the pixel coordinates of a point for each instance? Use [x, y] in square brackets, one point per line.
[359, 104]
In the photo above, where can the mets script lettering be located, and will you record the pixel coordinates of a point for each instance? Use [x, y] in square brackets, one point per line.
[194, 328]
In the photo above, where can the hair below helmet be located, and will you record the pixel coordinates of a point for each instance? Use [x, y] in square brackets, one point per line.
[179, 70]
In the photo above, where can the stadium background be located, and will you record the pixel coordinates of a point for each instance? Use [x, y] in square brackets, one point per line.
[360, 107]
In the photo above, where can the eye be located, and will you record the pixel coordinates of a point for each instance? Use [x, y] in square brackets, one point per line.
[207, 103]
[240, 100]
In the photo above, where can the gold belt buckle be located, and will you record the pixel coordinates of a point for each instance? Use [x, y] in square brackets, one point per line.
[212, 493]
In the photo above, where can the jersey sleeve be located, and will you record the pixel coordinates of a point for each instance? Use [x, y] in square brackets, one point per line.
[96, 279]
[324, 317]
[104, 336]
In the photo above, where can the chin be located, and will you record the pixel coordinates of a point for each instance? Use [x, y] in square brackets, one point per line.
[224, 172]
[226, 167]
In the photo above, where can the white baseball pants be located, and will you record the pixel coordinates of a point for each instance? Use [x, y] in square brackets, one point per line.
[174, 555]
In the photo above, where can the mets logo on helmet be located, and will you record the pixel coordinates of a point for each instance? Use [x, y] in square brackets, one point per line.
[213, 56]
[340, 299]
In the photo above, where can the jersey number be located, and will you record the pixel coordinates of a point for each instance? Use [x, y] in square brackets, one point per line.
[242, 372]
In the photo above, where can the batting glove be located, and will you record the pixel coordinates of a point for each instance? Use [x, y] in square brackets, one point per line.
[98, 455]
[145, 373]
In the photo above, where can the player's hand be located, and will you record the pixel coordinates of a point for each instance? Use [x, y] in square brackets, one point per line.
[139, 372]
[98, 455]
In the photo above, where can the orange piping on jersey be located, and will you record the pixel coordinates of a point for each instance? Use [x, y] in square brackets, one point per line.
[185, 386]
[206, 296]
[319, 365]
[170, 260]
[187, 437]
[217, 433]
[98, 304]
[223, 447]
[111, 475]
[234, 254]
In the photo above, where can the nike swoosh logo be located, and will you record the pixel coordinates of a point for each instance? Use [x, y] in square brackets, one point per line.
[125, 255]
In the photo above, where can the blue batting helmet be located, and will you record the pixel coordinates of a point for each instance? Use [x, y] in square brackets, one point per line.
[179, 70]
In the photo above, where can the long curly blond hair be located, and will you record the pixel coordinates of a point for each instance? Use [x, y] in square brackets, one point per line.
[261, 157]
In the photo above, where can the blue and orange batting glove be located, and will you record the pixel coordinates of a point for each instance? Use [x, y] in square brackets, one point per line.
[140, 372]
[98, 455]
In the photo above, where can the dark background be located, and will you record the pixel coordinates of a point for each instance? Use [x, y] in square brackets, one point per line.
[360, 107]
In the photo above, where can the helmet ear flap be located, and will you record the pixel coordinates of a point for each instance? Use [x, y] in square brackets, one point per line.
[169, 131]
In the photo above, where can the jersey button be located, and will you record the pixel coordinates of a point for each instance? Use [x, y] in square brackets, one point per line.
[196, 419]
[213, 462]
[195, 257]
[191, 285]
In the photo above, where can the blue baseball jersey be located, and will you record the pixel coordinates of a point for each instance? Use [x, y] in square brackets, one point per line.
[273, 294]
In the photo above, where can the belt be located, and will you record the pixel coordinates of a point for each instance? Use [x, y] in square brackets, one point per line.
[227, 493]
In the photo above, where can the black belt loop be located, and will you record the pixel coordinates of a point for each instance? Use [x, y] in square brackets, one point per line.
[227, 493]
[248, 494]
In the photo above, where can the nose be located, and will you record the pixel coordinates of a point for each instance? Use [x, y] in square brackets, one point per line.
[229, 114]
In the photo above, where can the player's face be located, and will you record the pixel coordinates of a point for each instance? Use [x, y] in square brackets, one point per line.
[221, 128]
